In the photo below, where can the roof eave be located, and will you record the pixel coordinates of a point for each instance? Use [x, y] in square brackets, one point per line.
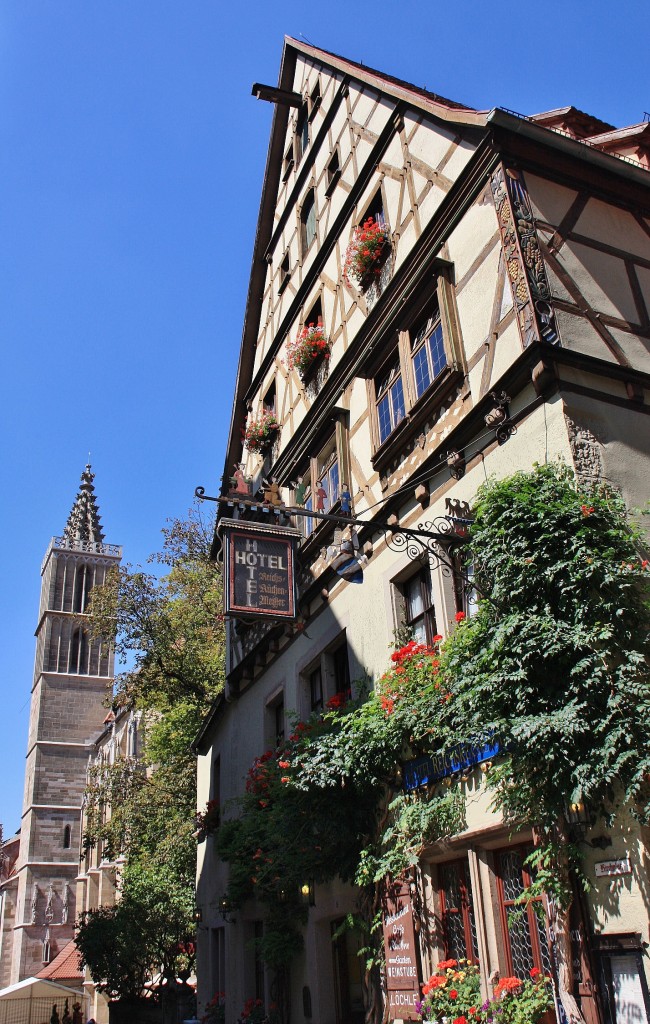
[574, 147]
[374, 78]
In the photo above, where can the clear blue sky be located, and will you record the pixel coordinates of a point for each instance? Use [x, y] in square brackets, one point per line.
[131, 162]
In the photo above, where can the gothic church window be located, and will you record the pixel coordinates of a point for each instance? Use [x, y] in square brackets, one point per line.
[82, 587]
[79, 653]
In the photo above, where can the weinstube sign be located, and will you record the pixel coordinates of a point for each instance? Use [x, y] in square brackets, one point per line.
[260, 570]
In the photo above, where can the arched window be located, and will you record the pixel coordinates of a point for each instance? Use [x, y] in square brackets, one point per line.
[82, 587]
[67, 836]
[79, 653]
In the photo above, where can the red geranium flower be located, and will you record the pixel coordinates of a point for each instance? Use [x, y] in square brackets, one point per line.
[507, 985]
[388, 705]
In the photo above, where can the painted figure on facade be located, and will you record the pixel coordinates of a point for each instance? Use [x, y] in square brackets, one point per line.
[299, 491]
[272, 494]
[239, 483]
[321, 495]
[346, 501]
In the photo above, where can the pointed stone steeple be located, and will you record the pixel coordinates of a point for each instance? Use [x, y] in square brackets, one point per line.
[84, 519]
[72, 670]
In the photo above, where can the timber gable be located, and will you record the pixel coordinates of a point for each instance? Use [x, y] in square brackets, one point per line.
[473, 229]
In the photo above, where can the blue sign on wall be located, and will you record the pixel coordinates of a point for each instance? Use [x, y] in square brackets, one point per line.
[426, 769]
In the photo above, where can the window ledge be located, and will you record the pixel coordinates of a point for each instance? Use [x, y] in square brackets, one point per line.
[417, 415]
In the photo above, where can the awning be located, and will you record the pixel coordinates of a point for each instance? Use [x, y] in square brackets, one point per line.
[30, 1001]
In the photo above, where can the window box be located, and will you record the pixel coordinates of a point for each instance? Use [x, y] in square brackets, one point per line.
[308, 351]
[367, 252]
[261, 433]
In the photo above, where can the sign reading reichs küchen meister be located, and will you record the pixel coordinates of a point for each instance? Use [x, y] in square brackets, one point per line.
[259, 563]
[402, 965]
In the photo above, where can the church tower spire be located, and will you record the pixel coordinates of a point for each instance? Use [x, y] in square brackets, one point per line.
[84, 519]
[73, 671]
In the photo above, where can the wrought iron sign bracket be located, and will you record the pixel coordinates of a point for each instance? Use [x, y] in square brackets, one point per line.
[433, 542]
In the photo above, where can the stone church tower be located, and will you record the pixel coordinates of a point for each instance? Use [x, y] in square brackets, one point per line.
[71, 675]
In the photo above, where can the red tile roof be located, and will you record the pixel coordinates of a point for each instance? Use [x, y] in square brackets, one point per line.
[66, 965]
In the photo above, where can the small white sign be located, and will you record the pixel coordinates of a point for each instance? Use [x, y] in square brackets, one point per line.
[621, 866]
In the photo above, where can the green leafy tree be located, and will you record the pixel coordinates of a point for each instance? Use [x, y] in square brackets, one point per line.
[556, 664]
[169, 631]
[148, 930]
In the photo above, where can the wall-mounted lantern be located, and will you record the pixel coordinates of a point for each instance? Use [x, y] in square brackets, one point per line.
[308, 892]
[580, 820]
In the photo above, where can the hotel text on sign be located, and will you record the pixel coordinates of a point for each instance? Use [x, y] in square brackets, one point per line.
[260, 570]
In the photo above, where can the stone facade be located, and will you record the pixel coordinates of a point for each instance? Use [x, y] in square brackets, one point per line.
[98, 872]
[71, 676]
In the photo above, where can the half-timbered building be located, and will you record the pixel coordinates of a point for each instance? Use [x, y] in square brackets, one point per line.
[504, 322]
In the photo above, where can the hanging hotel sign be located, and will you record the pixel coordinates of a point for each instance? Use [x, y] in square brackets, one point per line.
[259, 570]
[402, 976]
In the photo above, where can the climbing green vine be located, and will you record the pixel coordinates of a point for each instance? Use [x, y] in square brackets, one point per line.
[554, 664]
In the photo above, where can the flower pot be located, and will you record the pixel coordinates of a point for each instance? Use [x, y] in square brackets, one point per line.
[264, 443]
[311, 369]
